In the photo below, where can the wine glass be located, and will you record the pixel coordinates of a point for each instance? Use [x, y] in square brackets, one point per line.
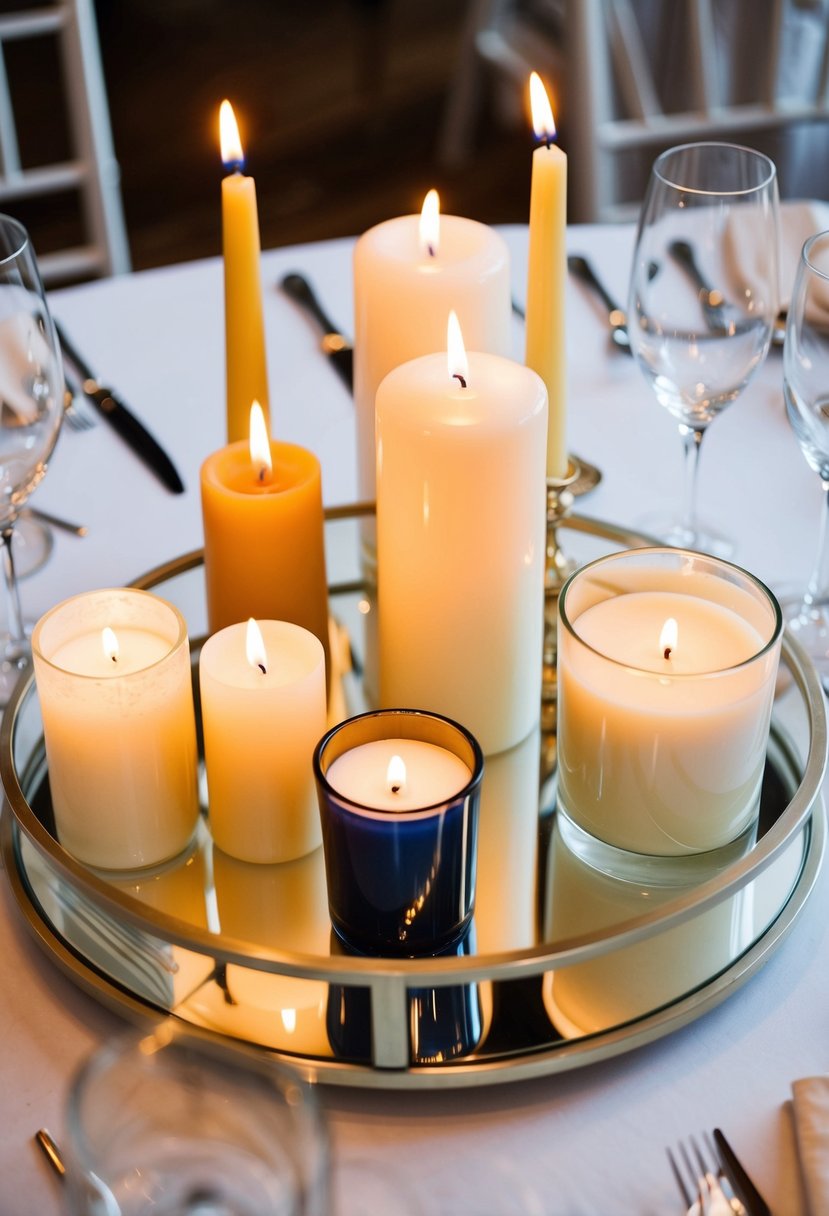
[703, 298]
[806, 392]
[31, 410]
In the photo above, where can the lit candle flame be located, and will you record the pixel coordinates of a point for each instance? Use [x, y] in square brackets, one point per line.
[543, 124]
[456, 351]
[260, 447]
[110, 643]
[232, 155]
[255, 651]
[668, 637]
[430, 224]
[396, 775]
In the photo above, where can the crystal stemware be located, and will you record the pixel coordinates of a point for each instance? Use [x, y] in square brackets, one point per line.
[31, 409]
[806, 392]
[703, 297]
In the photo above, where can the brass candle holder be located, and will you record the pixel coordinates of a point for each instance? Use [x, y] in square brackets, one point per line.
[561, 493]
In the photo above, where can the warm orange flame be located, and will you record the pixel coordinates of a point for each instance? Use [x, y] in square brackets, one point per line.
[396, 775]
[430, 224]
[543, 124]
[110, 643]
[229, 140]
[255, 651]
[456, 352]
[668, 637]
[260, 447]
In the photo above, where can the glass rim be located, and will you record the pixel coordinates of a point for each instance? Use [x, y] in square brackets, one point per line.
[717, 672]
[175, 645]
[751, 154]
[24, 240]
[388, 813]
[806, 253]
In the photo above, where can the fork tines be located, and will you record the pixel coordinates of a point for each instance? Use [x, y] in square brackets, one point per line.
[704, 1187]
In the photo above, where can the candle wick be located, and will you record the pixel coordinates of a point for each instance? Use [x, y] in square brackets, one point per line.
[114, 658]
[262, 668]
[458, 376]
[395, 789]
[430, 249]
[262, 473]
[667, 652]
[234, 166]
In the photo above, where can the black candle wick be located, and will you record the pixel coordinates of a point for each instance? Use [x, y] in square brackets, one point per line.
[395, 789]
[667, 652]
[264, 669]
[458, 376]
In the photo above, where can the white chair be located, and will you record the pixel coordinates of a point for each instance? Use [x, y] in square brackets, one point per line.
[92, 171]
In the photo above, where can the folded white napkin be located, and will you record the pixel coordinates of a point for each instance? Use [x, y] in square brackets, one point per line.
[747, 252]
[810, 1101]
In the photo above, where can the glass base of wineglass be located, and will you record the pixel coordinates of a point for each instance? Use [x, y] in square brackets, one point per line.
[808, 625]
[672, 531]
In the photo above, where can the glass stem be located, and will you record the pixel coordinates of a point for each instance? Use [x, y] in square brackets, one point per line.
[17, 635]
[691, 442]
[819, 581]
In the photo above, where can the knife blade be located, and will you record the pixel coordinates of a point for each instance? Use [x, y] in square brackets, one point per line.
[749, 1194]
[121, 419]
[334, 345]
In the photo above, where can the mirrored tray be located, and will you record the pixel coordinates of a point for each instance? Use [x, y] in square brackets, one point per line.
[563, 966]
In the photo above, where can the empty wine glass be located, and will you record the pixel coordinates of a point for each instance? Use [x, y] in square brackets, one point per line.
[31, 409]
[806, 392]
[703, 297]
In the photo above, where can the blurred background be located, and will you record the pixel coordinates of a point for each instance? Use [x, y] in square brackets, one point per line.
[350, 110]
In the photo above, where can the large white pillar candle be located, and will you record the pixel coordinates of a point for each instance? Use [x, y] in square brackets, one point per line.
[461, 479]
[263, 712]
[666, 669]
[113, 676]
[408, 273]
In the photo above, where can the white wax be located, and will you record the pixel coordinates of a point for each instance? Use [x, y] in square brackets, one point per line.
[403, 296]
[663, 756]
[461, 486]
[433, 775]
[260, 731]
[120, 736]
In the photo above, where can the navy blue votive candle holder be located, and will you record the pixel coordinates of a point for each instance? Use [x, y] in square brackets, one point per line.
[400, 842]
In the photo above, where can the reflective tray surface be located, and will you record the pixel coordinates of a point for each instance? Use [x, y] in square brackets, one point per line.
[562, 966]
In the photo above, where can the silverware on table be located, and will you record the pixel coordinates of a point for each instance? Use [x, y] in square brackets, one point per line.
[581, 269]
[121, 419]
[55, 521]
[719, 314]
[754, 1202]
[334, 345]
[50, 1150]
[704, 1187]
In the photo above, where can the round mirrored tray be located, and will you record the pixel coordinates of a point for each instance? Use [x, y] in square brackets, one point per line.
[562, 966]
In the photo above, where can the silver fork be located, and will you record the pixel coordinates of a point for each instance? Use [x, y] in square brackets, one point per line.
[76, 416]
[704, 1187]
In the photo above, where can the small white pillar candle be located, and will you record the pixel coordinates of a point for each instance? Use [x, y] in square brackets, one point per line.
[662, 732]
[263, 713]
[461, 483]
[407, 275]
[119, 727]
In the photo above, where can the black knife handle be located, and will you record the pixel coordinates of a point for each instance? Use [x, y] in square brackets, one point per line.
[298, 289]
[138, 437]
[682, 253]
[581, 268]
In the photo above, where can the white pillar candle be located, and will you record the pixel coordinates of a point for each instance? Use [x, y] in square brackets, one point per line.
[404, 286]
[426, 775]
[661, 744]
[263, 713]
[461, 479]
[119, 727]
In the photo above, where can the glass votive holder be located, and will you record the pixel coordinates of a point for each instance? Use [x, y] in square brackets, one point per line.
[398, 795]
[112, 669]
[165, 1122]
[667, 662]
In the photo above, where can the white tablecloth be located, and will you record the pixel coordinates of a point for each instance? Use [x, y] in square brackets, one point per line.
[589, 1141]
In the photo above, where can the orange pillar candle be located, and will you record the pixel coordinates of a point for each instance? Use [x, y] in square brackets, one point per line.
[246, 365]
[546, 351]
[264, 551]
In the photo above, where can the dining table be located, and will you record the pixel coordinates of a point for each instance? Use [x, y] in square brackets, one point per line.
[585, 1140]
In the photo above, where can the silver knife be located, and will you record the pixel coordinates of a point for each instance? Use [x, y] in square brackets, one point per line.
[121, 419]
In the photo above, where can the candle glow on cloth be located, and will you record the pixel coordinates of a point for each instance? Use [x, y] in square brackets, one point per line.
[246, 363]
[113, 677]
[546, 348]
[399, 862]
[426, 264]
[264, 548]
[461, 481]
[664, 755]
[263, 710]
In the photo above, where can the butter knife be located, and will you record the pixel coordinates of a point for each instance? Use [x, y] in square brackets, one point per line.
[334, 345]
[121, 419]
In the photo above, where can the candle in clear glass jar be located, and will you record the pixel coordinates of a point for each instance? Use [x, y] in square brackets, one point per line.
[113, 676]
